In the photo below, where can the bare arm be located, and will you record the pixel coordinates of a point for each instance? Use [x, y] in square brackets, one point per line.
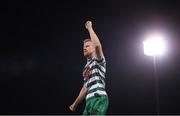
[80, 97]
[95, 40]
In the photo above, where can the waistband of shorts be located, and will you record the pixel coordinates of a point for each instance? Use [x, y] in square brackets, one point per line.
[89, 99]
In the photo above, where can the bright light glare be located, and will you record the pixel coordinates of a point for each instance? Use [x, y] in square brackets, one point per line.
[154, 45]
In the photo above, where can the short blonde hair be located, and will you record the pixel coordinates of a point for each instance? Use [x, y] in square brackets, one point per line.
[86, 40]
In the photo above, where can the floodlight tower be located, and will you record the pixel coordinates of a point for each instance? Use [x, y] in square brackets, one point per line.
[154, 46]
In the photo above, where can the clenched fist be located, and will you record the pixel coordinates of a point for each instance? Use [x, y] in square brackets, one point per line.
[88, 24]
[72, 108]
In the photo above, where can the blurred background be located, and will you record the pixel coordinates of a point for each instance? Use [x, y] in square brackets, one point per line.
[41, 57]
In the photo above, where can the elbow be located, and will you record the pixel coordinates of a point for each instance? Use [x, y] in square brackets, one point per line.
[98, 47]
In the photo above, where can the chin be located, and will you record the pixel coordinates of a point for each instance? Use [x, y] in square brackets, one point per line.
[86, 55]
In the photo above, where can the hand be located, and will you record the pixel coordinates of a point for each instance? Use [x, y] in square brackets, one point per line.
[88, 25]
[72, 108]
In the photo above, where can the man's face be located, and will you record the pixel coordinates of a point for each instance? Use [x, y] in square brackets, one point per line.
[88, 48]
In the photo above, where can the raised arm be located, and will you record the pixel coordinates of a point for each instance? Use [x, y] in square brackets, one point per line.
[94, 38]
[80, 97]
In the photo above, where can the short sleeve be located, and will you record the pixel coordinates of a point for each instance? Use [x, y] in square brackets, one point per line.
[101, 61]
[85, 83]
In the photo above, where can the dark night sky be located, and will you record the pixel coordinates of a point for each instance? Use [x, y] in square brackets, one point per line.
[41, 58]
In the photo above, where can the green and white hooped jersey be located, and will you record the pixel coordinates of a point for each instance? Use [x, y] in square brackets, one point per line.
[95, 82]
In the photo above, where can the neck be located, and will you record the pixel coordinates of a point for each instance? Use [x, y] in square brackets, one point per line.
[90, 56]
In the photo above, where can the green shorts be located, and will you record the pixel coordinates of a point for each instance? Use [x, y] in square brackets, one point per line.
[96, 106]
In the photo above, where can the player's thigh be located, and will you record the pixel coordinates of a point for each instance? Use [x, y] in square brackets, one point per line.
[101, 105]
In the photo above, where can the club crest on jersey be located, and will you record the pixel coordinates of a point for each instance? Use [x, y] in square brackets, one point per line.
[87, 72]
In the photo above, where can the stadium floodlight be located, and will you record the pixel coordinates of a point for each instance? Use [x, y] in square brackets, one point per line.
[154, 45]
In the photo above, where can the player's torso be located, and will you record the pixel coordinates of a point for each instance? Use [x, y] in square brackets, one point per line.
[94, 77]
